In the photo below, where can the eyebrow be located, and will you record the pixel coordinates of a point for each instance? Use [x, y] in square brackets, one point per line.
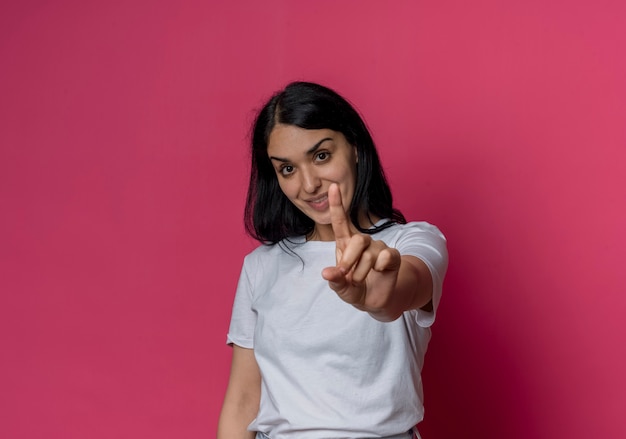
[310, 151]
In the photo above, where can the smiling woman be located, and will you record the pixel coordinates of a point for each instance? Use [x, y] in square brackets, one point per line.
[270, 217]
[329, 327]
[305, 172]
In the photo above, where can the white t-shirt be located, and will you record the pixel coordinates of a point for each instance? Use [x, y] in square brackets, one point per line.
[329, 370]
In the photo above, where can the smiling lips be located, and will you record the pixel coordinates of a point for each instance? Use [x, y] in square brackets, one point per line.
[318, 203]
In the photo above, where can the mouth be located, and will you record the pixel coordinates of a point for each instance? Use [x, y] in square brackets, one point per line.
[318, 203]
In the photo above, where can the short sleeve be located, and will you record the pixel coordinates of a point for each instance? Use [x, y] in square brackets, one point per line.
[427, 243]
[243, 318]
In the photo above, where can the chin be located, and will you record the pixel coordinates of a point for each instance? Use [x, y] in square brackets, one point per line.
[321, 219]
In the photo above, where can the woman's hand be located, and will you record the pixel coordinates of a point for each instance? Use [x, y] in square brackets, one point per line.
[367, 270]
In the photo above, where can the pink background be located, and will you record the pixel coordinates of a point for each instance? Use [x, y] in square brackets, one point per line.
[123, 172]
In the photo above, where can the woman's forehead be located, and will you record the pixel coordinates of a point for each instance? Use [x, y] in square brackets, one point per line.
[290, 138]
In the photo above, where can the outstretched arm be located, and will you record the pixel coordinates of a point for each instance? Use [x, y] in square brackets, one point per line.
[372, 276]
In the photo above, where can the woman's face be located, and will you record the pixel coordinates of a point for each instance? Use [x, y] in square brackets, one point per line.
[306, 163]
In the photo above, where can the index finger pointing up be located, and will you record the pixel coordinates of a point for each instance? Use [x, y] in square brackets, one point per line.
[338, 217]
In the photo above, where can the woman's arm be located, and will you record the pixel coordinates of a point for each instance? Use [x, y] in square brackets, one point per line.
[372, 276]
[241, 402]
[413, 289]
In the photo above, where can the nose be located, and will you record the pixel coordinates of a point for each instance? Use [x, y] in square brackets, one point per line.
[310, 181]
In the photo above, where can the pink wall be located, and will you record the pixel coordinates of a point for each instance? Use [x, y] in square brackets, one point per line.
[122, 172]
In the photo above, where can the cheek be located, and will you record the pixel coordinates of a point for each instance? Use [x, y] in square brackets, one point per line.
[347, 176]
[344, 173]
[286, 187]
[347, 185]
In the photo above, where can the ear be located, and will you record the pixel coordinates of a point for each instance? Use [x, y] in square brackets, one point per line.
[356, 154]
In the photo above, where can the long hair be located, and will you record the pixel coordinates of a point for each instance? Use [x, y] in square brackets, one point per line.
[269, 216]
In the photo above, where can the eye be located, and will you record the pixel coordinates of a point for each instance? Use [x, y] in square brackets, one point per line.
[286, 170]
[322, 156]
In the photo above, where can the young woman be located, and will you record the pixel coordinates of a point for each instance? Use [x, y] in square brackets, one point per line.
[332, 313]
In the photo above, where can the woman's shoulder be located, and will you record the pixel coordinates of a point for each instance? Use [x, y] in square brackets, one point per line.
[413, 227]
[277, 249]
[263, 250]
[423, 226]
[257, 259]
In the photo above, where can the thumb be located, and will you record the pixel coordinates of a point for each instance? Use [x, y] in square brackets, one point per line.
[336, 277]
